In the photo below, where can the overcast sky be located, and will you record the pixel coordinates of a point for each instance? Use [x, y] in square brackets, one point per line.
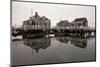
[55, 12]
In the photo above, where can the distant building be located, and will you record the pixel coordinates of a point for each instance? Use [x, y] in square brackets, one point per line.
[77, 23]
[80, 22]
[37, 23]
[63, 24]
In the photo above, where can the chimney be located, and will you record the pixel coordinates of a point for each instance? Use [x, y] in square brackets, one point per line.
[36, 13]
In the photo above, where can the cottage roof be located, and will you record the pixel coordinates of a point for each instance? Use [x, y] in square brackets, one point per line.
[81, 19]
[44, 18]
[63, 22]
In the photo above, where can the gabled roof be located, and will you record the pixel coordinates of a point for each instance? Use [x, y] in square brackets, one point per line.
[81, 19]
[44, 18]
[64, 21]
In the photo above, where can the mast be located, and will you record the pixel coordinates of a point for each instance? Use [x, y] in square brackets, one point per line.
[31, 11]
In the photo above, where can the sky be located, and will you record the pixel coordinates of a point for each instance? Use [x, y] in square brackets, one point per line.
[21, 11]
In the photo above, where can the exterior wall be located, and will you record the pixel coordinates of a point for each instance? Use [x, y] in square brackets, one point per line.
[44, 23]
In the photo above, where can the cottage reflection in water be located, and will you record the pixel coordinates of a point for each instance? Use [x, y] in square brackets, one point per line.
[78, 42]
[37, 43]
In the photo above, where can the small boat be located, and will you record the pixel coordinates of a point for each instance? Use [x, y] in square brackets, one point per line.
[17, 37]
[50, 35]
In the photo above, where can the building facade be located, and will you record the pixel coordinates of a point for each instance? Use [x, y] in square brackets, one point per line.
[79, 22]
[37, 23]
[63, 24]
[76, 24]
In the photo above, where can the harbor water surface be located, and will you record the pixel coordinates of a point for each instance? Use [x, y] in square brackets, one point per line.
[52, 50]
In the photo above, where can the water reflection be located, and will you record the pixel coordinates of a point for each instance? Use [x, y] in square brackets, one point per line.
[37, 43]
[78, 42]
[82, 43]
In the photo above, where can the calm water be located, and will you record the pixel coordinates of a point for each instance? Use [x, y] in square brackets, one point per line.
[52, 50]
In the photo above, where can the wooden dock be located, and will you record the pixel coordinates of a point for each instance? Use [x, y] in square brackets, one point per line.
[79, 32]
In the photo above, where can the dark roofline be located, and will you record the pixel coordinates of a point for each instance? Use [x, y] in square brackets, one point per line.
[64, 21]
[44, 17]
[80, 19]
